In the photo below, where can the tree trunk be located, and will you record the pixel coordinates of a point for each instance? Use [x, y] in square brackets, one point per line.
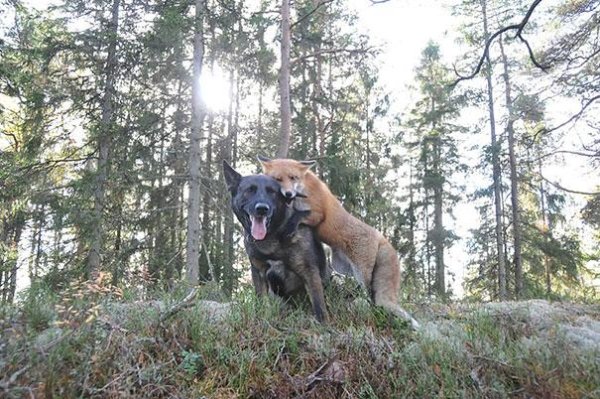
[438, 203]
[193, 207]
[16, 231]
[207, 226]
[427, 226]
[412, 249]
[496, 171]
[369, 180]
[284, 82]
[332, 114]
[118, 267]
[175, 265]
[259, 122]
[104, 142]
[159, 193]
[36, 231]
[514, 189]
[56, 241]
[546, 228]
[236, 120]
[438, 223]
[317, 89]
[228, 216]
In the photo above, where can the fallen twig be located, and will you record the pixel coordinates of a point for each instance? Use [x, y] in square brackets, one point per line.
[185, 303]
[13, 378]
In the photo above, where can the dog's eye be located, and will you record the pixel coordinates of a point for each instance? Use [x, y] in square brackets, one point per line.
[271, 191]
[250, 191]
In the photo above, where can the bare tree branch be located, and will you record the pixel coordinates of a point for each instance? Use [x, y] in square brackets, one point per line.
[519, 28]
[488, 43]
[527, 16]
[572, 118]
[186, 302]
[560, 187]
[571, 152]
[532, 56]
[15, 140]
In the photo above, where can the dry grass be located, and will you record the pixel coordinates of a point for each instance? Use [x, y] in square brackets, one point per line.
[99, 345]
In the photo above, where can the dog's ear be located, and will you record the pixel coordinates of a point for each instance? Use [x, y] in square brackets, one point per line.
[232, 178]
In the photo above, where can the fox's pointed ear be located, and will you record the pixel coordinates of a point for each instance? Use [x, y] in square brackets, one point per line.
[232, 178]
[308, 164]
[263, 160]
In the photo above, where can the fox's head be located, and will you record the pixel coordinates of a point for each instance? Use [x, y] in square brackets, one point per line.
[288, 172]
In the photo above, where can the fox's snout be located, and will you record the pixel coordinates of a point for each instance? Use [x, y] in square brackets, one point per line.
[288, 194]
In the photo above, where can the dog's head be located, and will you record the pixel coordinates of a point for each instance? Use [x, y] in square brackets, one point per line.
[256, 200]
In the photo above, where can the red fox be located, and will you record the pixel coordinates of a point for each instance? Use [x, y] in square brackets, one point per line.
[372, 258]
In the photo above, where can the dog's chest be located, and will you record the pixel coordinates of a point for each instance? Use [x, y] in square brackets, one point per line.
[269, 248]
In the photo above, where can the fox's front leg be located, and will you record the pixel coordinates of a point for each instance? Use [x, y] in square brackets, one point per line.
[292, 225]
[314, 215]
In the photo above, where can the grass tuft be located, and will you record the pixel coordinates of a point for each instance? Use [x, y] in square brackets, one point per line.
[94, 341]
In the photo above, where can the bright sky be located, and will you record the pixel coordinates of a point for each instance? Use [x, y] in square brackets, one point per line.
[403, 28]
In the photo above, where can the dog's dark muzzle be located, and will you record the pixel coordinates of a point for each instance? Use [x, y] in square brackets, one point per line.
[259, 215]
[262, 209]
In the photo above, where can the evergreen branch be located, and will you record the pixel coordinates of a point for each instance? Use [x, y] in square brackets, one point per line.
[66, 159]
[311, 12]
[228, 8]
[330, 51]
[519, 28]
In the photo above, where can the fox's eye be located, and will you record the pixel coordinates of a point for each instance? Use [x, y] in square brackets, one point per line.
[279, 179]
[292, 178]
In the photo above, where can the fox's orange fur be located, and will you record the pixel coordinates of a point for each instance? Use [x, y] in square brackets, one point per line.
[373, 259]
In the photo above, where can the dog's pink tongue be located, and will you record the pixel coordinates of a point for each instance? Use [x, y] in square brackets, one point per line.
[259, 227]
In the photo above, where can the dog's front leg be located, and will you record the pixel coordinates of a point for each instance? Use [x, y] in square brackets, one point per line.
[258, 270]
[314, 288]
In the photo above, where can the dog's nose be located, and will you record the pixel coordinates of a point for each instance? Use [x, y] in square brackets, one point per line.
[289, 194]
[261, 208]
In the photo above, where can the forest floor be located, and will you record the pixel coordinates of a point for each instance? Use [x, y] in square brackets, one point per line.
[95, 341]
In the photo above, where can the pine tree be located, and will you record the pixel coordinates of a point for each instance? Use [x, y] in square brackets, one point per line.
[437, 160]
[193, 215]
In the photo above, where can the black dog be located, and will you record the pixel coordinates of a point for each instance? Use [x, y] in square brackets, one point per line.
[284, 255]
